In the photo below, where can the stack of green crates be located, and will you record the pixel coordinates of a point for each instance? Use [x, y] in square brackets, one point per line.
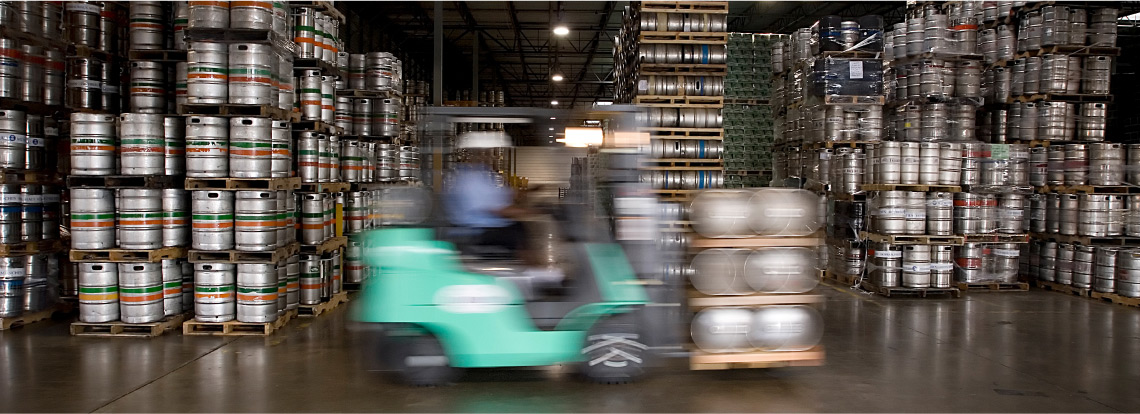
[748, 137]
[749, 75]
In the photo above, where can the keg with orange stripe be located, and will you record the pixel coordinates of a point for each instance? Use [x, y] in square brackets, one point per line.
[207, 73]
[175, 217]
[353, 262]
[142, 140]
[282, 287]
[308, 156]
[181, 74]
[251, 69]
[140, 292]
[174, 135]
[98, 292]
[215, 298]
[313, 218]
[281, 140]
[286, 95]
[257, 292]
[251, 147]
[310, 93]
[343, 113]
[92, 218]
[336, 280]
[304, 32]
[334, 158]
[181, 20]
[282, 217]
[212, 220]
[255, 220]
[289, 214]
[251, 15]
[213, 14]
[171, 287]
[207, 146]
[148, 25]
[293, 282]
[92, 144]
[351, 161]
[310, 279]
[140, 218]
[328, 101]
[148, 87]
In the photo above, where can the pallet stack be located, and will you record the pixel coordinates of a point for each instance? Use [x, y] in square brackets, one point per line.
[748, 120]
[753, 279]
[30, 186]
[672, 62]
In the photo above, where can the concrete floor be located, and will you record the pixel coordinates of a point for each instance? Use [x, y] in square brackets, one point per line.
[1024, 352]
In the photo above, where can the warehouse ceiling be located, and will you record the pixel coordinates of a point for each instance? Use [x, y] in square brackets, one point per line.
[518, 52]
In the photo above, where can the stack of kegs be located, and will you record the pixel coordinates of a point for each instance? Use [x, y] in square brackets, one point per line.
[134, 292]
[28, 283]
[245, 220]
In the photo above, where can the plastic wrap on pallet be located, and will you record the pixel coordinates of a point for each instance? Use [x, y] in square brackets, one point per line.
[835, 34]
[847, 76]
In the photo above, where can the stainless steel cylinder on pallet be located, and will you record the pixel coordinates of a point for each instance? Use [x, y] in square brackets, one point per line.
[215, 296]
[140, 218]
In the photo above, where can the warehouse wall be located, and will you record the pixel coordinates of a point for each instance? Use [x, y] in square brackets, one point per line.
[546, 165]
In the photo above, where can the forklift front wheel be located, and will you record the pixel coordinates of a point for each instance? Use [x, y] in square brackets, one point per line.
[419, 360]
[613, 355]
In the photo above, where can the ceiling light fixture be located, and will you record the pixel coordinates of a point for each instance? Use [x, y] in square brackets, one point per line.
[555, 102]
[561, 30]
[557, 77]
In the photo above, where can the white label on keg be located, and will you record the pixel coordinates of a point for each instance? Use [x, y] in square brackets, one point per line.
[910, 160]
[35, 142]
[84, 83]
[10, 198]
[1007, 252]
[33, 199]
[889, 160]
[109, 89]
[824, 155]
[892, 211]
[915, 214]
[941, 267]
[16, 138]
[51, 198]
[1014, 214]
[835, 120]
[1018, 155]
[888, 254]
[852, 170]
[940, 202]
[12, 273]
[643, 85]
[82, 7]
[916, 267]
[855, 69]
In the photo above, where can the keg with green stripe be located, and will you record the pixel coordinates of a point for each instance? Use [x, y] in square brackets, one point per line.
[187, 286]
[310, 95]
[282, 152]
[212, 220]
[174, 132]
[308, 156]
[353, 262]
[336, 279]
[282, 287]
[181, 75]
[304, 28]
[255, 220]
[256, 292]
[291, 216]
[207, 73]
[171, 287]
[98, 292]
[92, 218]
[175, 217]
[142, 144]
[140, 218]
[251, 68]
[251, 147]
[207, 147]
[148, 24]
[148, 87]
[293, 281]
[355, 211]
[351, 161]
[282, 217]
[326, 277]
[328, 102]
[140, 292]
[92, 144]
[215, 298]
[310, 279]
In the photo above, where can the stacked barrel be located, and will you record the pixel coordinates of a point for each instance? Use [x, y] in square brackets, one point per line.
[671, 60]
[753, 276]
[32, 92]
[748, 118]
[239, 99]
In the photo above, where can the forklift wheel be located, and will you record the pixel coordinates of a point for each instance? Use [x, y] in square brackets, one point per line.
[613, 354]
[419, 360]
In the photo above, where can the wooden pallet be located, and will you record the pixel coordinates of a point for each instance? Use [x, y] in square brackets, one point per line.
[236, 328]
[853, 100]
[679, 101]
[130, 330]
[684, 133]
[690, 38]
[699, 360]
[911, 187]
[203, 34]
[1069, 289]
[318, 309]
[1117, 299]
[658, 6]
[229, 183]
[74, 50]
[998, 189]
[905, 291]
[27, 318]
[329, 245]
[300, 65]
[843, 278]
[946, 56]
[331, 187]
[319, 126]
[1089, 241]
[695, 69]
[758, 241]
[42, 246]
[1062, 97]
[227, 109]
[911, 239]
[158, 55]
[127, 255]
[367, 93]
[993, 287]
[996, 238]
[1089, 189]
[682, 164]
[27, 38]
[123, 181]
[32, 107]
[11, 176]
[236, 256]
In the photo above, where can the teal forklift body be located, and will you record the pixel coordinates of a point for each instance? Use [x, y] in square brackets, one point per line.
[481, 320]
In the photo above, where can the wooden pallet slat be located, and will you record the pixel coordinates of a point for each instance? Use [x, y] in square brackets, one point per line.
[332, 187]
[117, 255]
[911, 187]
[231, 183]
[853, 100]
[905, 291]
[158, 55]
[1088, 240]
[26, 318]
[993, 287]
[1116, 299]
[42, 246]
[995, 238]
[701, 38]
[230, 110]
[328, 245]
[318, 309]
[1090, 189]
[1062, 97]
[912, 239]
[129, 330]
[1062, 288]
[679, 101]
[700, 360]
[237, 256]
[695, 69]
[123, 181]
[319, 126]
[659, 6]
[236, 328]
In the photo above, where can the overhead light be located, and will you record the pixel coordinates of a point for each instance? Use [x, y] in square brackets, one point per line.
[553, 118]
[554, 102]
[557, 77]
[583, 137]
[604, 103]
[551, 129]
[561, 30]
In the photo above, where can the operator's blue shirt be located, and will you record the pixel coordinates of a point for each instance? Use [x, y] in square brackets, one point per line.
[475, 197]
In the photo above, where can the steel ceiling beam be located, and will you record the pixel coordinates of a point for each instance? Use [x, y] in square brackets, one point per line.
[465, 13]
[594, 43]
